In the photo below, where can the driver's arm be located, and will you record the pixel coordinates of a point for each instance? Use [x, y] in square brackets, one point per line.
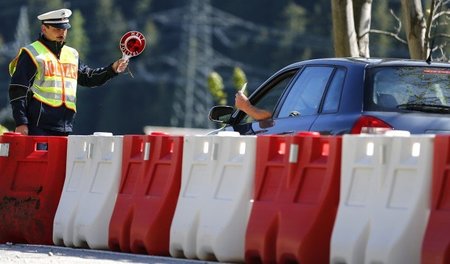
[243, 104]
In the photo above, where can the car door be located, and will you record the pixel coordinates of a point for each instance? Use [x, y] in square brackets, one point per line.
[265, 97]
[331, 120]
[297, 106]
[302, 104]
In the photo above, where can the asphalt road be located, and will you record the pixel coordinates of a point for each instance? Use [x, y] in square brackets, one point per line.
[38, 254]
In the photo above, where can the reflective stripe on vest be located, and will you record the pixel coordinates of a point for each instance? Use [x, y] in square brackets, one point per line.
[55, 82]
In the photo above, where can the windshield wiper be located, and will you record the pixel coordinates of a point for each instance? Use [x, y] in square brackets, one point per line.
[431, 108]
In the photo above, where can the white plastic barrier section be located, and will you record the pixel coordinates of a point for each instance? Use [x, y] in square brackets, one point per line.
[214, 205]
[401, 209]
[87, 201]
[384, 199]
[362, 171]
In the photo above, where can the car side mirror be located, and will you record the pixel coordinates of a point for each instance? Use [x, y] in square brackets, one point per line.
[221, 114]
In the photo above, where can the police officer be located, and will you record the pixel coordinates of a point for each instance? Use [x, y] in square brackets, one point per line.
[44, 78]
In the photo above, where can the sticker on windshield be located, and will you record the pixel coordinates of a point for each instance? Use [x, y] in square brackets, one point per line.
[436, 71]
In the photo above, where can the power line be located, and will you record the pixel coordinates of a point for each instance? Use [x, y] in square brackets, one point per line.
[193, 60]
[196, 57]
[22, 36]
[192, 101]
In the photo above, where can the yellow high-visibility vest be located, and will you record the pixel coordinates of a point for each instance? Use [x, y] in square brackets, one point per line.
[55, 82]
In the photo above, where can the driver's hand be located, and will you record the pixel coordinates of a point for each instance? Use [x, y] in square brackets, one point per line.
[241, 101]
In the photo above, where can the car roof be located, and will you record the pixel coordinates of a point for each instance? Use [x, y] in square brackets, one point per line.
[368, 62]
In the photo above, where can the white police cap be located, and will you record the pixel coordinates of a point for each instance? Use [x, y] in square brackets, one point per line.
[56, 18]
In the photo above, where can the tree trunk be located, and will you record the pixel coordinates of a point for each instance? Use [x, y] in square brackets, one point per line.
[345, 41]
[363, 14]
[415, 28]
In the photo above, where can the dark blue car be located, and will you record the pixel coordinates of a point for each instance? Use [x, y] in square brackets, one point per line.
[348, 95]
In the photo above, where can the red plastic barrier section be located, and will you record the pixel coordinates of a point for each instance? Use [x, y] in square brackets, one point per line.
[32, 173]
[436, 243]
[150, 183]
[296, 199]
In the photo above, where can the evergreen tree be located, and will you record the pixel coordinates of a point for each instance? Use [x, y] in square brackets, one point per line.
[77, 37]
[383, 45]
[109, 28]
[37, 7]
[3, 59]
[239, 79]
[142, 7]
[258, 35]
[293, 36]
[216, 88]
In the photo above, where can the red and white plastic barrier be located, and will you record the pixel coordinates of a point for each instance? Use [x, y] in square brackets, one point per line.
[92, 180]
[148, 194]
[384, 206]
[32, 173]
[232, 198]
[214, 203]
[295, 200]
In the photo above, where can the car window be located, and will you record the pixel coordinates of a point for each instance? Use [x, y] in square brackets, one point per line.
[333, 97]
[392, 87]
[306, 93]
[268, 99]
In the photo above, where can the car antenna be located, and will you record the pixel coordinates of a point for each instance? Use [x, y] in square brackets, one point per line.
[428, 34]
[428, 60]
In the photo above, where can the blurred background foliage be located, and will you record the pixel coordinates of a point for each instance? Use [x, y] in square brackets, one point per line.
[190, 44]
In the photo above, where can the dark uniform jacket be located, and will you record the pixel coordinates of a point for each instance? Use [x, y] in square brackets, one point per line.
[27, 110]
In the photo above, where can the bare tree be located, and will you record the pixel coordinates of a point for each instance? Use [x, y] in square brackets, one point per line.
[417, 27]
[363, 10]
[345, 40]
[349, 40]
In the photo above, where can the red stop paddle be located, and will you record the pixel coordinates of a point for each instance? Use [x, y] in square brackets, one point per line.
[132, 44]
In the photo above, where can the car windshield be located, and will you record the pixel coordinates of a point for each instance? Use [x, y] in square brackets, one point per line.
[409, 88]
